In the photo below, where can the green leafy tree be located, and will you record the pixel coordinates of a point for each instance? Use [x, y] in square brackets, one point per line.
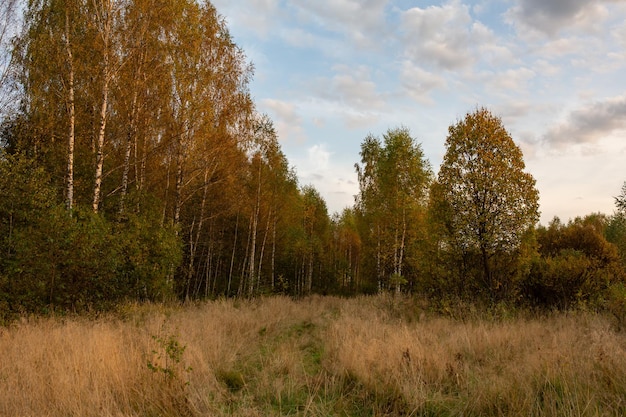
[485, 204]
[393, 180]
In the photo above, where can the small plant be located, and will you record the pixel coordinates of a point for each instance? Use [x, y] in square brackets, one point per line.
[167, 358]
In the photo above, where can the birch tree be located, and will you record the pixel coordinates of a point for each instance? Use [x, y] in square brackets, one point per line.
[393, 179]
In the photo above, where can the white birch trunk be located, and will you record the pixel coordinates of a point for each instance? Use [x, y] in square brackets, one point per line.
[105, 23]
[72, 116]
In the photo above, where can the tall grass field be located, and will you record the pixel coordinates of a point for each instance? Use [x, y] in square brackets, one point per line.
[320, 356]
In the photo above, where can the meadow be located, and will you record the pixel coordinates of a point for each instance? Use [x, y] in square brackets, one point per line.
[319, 356]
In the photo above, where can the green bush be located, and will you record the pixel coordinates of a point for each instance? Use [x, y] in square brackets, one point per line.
[576, 265]
[55, 260]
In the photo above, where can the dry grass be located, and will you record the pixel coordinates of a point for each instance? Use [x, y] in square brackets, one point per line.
[316, 357]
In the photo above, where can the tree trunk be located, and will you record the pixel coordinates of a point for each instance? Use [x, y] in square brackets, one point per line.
[232, 258]
[131, 139]
[255, 224]
[105, 33]
[378, 260]
[309, 275]
[267, 230]
[179, 180]
[72, 115]
[273, 273]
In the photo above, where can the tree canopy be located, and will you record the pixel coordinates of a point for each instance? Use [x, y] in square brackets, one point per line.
[483, 197]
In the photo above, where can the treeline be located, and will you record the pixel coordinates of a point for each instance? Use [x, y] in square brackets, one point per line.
[137, 167]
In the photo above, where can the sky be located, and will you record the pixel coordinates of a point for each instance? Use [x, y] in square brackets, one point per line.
[331, 72]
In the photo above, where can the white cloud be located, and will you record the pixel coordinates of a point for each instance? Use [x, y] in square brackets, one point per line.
[319, 156]
[350, 94]
[447, 37]
[546, 69]
[419, 83]
[574, 45]
[357, 19]
[287, 120]
[355, 87]
[511, 80]
[250, 15]
[619, 34]
[439, 34]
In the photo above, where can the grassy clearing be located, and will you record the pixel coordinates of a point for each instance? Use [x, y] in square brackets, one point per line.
[316, 357]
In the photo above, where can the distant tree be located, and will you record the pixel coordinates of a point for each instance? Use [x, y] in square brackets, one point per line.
[316, 232]
[485, 203]
[346, 251]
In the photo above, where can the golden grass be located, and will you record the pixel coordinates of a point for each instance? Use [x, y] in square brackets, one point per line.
[368, 356]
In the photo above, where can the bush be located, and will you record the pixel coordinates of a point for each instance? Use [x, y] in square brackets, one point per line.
[54, 260]
[576, 265]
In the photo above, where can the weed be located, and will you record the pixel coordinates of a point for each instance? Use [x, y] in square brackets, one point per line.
[167, 358]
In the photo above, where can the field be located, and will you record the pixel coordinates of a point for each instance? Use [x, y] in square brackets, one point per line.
[321, 356]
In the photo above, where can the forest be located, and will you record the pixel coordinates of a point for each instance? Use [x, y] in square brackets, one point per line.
[134, 166]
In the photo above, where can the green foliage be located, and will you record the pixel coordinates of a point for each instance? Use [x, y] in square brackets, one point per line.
[615, 232]
[167, 358]
[394, 177]
[148, 254]
[616, 303]
[54, 260]
[576, 264]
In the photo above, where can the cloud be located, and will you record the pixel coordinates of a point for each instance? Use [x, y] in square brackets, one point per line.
[447, 37]
[439, 34]
[355, 87]
[319, 156]
[288, 121]
[550, 17]
[357, 19]
[589, 124]
[351, 94]
[511, 80]
[251, 14]
[619, 34]
[419, 83]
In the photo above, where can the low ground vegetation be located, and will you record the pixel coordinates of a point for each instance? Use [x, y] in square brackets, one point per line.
[319, 356]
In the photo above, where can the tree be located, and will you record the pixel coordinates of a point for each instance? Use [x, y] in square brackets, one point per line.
[393, 180]
[485, 201]
[346, 251]
[316, 225]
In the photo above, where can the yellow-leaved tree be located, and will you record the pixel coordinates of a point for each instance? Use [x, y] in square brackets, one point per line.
[485, 206]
